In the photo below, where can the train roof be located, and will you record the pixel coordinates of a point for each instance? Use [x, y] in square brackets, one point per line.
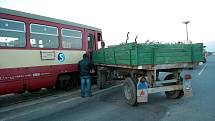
[43, 18]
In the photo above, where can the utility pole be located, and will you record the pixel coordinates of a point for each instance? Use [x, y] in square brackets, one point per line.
[186, 22]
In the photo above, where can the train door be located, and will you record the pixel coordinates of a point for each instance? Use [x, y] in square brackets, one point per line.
[91, 42]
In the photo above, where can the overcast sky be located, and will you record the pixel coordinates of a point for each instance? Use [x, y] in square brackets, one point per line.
[156, 20]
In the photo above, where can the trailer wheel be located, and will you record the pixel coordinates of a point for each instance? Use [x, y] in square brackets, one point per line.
[173, 94]
[130, 91]
[101, 78]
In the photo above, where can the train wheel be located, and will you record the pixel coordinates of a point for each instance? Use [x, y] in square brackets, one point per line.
[64, 82]
[130, 91]
[34, 91]
[173, 94]
[49, 89]
[67, 85]
[20, 92]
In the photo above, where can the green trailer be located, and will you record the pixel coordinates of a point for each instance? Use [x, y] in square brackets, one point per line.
[141, 64]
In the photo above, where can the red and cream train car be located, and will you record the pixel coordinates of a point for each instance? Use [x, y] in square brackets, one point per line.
[39, 52]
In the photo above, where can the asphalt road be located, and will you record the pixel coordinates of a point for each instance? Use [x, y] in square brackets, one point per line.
[109, 105]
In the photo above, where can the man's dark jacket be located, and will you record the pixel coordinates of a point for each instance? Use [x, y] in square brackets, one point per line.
[85, 66]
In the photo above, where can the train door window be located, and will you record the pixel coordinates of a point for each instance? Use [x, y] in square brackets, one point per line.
[91, 41]
[100, 42]
[71, 39]
[43, 36]
[12, 33]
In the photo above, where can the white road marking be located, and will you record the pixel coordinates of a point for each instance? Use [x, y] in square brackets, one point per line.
[69, 100]
[103, 90]
[203, 69]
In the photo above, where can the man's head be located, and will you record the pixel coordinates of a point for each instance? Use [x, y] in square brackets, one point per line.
[85, 56]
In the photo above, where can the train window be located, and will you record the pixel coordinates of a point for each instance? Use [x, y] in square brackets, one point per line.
[12, 33]
[91, 41]
[71, 38]
[43, 36]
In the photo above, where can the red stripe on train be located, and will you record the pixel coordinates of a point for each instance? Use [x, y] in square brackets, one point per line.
[14, 80]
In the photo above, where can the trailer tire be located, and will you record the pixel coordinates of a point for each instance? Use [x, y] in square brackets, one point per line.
[130, 91]
[101, 79]
[173, 94]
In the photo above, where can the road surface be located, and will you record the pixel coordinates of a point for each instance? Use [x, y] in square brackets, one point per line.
[109, 105]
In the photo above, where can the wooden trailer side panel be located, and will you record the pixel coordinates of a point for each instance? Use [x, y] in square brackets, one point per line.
[133, 54]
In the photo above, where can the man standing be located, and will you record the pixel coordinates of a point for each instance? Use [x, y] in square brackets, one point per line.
[85, 66]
